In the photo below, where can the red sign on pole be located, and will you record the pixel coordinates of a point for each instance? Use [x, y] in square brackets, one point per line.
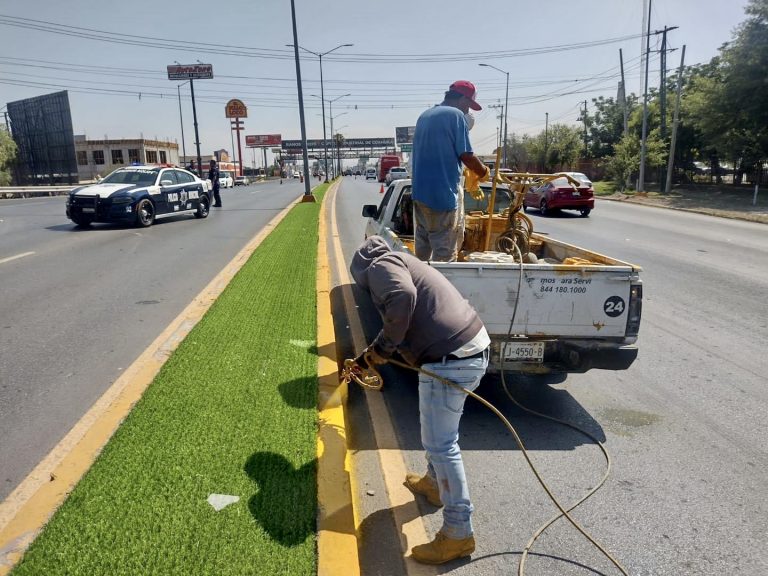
[267, 140]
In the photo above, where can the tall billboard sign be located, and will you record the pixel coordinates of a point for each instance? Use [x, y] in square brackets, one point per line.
[404, 134]
[190, 71]
[42, 130]
[236, 109]
[265, 140]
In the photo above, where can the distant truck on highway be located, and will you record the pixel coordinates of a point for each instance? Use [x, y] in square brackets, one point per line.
[573, 310]
[386, 162]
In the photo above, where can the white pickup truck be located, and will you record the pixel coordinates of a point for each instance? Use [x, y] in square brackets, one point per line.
[544, 317]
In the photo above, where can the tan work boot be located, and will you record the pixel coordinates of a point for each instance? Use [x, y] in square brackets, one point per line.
[425, 486]
[443, 549]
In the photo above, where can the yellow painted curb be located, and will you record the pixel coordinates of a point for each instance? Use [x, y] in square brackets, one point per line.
[336, 527]
[405, 511]
[26, 510]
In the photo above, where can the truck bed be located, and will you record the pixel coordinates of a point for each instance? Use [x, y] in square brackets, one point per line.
[572, 311]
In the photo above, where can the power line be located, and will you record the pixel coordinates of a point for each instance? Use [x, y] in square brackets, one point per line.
[281, 54]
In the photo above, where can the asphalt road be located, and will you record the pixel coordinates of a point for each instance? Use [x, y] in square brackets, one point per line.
[77, 307]
[685, 425]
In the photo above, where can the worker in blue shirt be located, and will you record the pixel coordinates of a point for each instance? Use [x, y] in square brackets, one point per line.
[440, 145]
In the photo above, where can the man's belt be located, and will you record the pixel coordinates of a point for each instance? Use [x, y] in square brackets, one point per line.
[478, 355]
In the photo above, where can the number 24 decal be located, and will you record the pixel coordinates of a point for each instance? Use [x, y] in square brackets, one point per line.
[614, 306]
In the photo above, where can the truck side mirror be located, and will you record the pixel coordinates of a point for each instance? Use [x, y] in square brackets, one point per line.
[370, 211]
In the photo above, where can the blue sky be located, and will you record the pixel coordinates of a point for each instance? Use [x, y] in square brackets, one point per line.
[404, 56]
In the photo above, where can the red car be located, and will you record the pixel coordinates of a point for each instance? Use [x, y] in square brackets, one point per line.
[560, 194]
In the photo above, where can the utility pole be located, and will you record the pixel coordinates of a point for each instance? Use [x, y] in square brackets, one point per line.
[585, 129]
[671, 161]
[501, 121]
[641, 178]
[624, 93]
[663, 92]
[181, 122]
[546, 139]
[197, 134]
[663, 83]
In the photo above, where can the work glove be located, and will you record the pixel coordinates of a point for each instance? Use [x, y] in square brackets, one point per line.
[487, 176]
[372, 355]
[472, 184]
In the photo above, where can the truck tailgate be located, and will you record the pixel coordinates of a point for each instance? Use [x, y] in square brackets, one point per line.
[554, 300]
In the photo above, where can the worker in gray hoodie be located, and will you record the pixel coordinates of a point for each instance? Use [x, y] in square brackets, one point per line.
[431, 325]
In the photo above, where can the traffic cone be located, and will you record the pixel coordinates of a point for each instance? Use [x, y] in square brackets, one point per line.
[381, 190]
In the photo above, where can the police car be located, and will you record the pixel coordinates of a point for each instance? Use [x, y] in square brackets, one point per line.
[139, 195]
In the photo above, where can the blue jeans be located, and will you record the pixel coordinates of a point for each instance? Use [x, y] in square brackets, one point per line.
[440, 409]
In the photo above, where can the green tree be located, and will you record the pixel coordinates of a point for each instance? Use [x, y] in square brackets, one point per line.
[556, 149]
[605, 125]
[8, 151]
[625, 162]
[727, 102]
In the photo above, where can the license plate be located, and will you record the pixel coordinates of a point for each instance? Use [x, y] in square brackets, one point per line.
[524, 351]
[577, 193]
[89, 209]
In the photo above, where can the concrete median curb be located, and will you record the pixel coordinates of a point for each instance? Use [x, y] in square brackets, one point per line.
[336, 527]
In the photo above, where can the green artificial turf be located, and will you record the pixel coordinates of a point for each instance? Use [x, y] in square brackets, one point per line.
[232, 412]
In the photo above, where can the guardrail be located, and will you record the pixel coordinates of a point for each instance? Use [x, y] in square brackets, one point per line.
[32, 191]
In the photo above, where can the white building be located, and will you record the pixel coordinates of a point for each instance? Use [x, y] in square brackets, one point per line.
[100, 157]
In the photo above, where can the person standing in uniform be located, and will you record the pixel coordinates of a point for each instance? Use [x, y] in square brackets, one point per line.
[440, 146]
[431, 325]
[213, 176]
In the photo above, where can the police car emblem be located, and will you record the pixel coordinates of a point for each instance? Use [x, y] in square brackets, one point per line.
[183, 197]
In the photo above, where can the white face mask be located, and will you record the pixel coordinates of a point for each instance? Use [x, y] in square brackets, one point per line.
[470, 120]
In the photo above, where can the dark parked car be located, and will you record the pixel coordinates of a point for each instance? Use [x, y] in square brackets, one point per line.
[560, 194]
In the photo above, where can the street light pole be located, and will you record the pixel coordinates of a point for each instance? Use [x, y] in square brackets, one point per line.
[333, 134]
[330, 114]
[322, 93]
[307, 193]
[506, 111]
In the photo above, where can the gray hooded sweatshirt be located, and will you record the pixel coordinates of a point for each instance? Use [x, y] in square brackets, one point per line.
[424, 316]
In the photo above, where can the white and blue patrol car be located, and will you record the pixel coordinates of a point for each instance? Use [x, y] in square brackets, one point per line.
[138, 195]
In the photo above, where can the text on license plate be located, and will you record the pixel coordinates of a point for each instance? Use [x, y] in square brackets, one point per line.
[524, 351]
[89, 209]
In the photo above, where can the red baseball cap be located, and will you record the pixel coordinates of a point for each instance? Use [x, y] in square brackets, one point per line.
[466, 89]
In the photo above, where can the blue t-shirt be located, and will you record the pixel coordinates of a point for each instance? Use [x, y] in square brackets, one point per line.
[441, 137]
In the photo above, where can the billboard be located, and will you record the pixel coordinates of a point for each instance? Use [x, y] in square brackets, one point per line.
[404, 134]
[42, 129]
[190, 71]
[235, 109]
[348, 143]
[265, 140]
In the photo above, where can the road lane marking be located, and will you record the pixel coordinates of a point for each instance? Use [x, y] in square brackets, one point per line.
[26, 510]
[10, 258]
[400, 499]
